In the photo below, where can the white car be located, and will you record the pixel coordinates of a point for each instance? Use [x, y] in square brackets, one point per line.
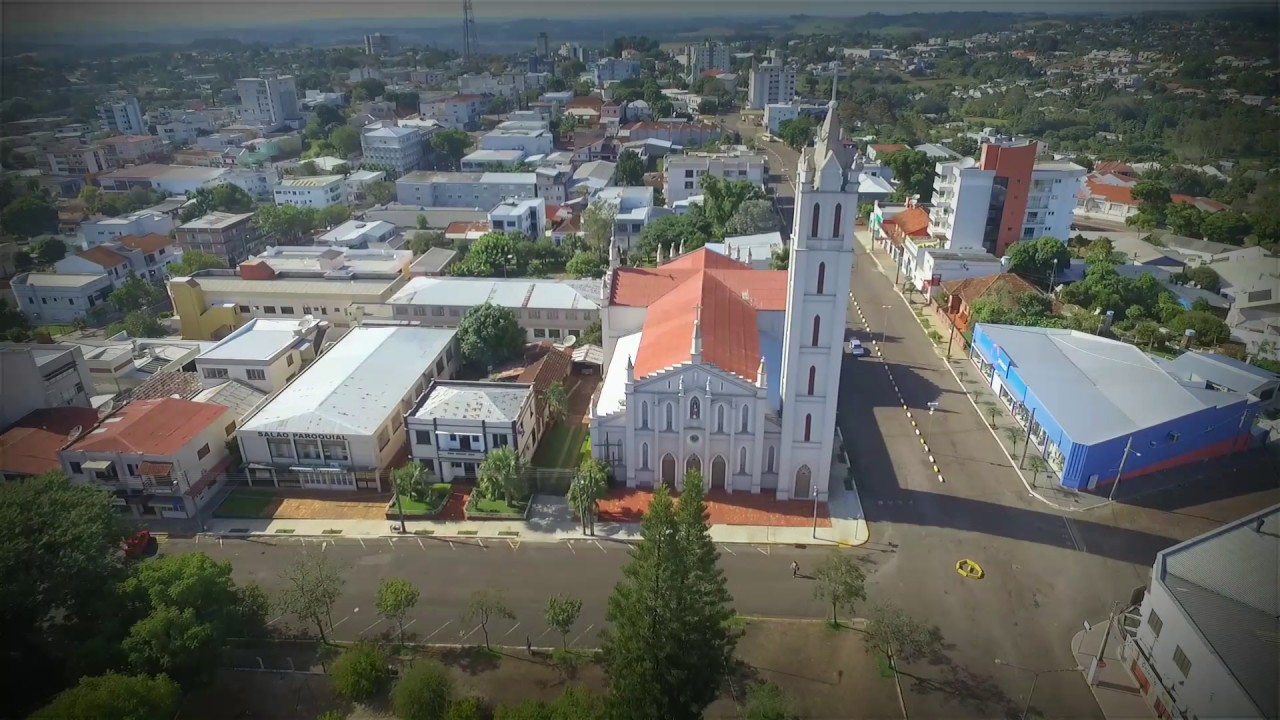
[857, 349]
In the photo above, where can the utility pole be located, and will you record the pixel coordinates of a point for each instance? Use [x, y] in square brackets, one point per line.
[1128, 448]
[470, 46]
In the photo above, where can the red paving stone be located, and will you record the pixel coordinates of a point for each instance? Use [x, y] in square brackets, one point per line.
[455, 509]
[628, 505]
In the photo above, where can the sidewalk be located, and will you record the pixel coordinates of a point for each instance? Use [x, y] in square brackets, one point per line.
[1115, 689]
[551, 520]
[1009, 435]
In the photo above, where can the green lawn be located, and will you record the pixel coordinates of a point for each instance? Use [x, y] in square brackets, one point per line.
[245, 504]
[497, 507]
[561, 446]
[437, 496]
[984, 121]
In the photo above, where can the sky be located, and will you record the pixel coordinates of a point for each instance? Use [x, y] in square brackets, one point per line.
[86, 15]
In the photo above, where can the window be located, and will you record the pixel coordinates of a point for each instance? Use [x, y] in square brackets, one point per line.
[688, 184]
[335, 450]
[419, 311]
[742, 460]
[539, 333]
[286, 309]
[439, 365]
[75, 468]
[308, 449]
[822, 274]
[269, 309]
[501, 440]
[808, 427]
[1181, 660]
[455, 312]
[437, 311]
[644, 456]
[384, 437]
[835, 223]
[255, 374]
[695, 408]
[553, 314]
[230, 428]
[817, 215]
[720, 418]
[535, 314]
[554, 333]
[288, 360]
[769, 461]
[244, 308]
[280, 448]
[688, 173]
[216, 373]
[644, 414]
[668, 420]
[817, 329]
[746, 418]
[1156, 624]
[422, 437]
[813, 377]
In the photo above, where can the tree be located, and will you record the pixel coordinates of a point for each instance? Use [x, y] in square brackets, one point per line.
[139, 324]
[467, 708]
[396, 597]
[780, 258]
[423, 692]
[590, 486]
[752, 218]
[797, 133]
[597, 227]
[586, 264]
[221, 198]
[630, 168]
[193, 261]
[408, 480]
[668, 233]
[453, 144]
[91, 196]
[766, 701]
[1205, 277]
[557, 400]
[561, 615]
[913, 171]
[898, 635]
[345, 140]
[841, 582]
[1040, 261]
[115, 697]
[496, 254]
[334, 215]
[174, 642]
[669, 645]
[381, 192]
[135, 294]
[29, 216]
[1101, 252]
[312, 587]
[286, 222]
[360, 674]
[1209, 329]
[1185, 220]
[421, 241]
[486, 605]
[501, 475]
[1226, 227]
[49, 250]
[489, 335]
[721, 200]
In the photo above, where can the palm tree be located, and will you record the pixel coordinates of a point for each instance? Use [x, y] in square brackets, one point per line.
[557, 400]
[589, 487]
[408, 479]
[501, 475]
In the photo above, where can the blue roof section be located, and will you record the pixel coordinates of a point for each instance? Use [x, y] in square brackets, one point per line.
[1095, 388]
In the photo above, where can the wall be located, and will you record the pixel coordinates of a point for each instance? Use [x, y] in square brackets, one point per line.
[59, 305]
[1015, 163]
[278, 372]
[198, 322]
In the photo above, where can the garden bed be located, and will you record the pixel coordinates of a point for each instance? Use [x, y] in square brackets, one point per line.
[479, 508]
[436, 498]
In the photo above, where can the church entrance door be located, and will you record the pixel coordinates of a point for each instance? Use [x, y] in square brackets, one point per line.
[804, 483]
[718, 471]
[669, 470]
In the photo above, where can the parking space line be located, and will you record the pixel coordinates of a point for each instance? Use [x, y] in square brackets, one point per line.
[362, 545]
[406, 625]
[374, 625]
[462, 637]
[276, 620]
[424, 547]
[584, 632]
[763, 550]
[481, 544]
[452, 546]
[390, 543]
[544, 632]
[569, 543]
[447, 624]
[515, 544]
[597, 544]
[726, 549]
[339, 622]
[513, 629]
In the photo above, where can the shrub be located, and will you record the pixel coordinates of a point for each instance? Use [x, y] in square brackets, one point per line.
[360, 674]
[424, 692]
[468, 708]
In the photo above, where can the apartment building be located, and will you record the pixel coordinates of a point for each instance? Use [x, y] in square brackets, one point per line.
[34, 376]
[122, 115]
[684, 173]
[708, 55]
[527, 217]
[482, 160]
[149, 255]
[399, 148]
[230, 237]
[1004, 197]
[455, 424]
[546, 309]
[777, 113]
[456, 112]
[678, 133]
[133, 149]
[611, 69]
[100, 230]
[269, 101]
[164, 457]
[530, 142]
[98, 260]
[317, 192]
[340, 424]
[379, 45]
[633, 209]
[183, 129]
[73, 158]
[464, 189]
[505, 84]
[771, 84]
[265, 353]
[58, 299]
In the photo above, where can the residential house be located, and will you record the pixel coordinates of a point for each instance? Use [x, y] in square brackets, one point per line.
[527, 217]
[75, 158]
[455, 424]
[97, 260]
[553, 367]
[230, 237]
[960, 296]
[316, 192]
[30, 446]
[359, 234]
[458, 112]
[133, 149]
[57, 298]
[633, 210]
[680, 133]
[264, 353]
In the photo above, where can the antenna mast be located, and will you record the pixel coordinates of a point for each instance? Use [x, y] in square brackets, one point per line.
[470, 47]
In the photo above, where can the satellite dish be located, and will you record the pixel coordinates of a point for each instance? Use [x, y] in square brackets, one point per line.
[75, 433]
[570, 340]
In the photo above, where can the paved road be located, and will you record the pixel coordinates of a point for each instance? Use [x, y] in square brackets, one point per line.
[527, 573]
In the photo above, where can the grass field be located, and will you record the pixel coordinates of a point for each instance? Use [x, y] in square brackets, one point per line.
[498, 507]
[984, 121]
[561, 446]
[437, 496]
[245, 504]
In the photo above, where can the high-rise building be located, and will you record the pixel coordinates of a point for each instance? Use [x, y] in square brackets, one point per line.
[398, 148]
[378, 44]
[269, 100]
[708, 55]
[122, 115]
[544, 46]
[771, 83]
[1005, 196]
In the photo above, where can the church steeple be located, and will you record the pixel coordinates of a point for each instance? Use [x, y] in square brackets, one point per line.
[695, 350]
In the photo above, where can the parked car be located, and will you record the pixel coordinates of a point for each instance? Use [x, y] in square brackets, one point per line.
[139, 544]
[857, 349]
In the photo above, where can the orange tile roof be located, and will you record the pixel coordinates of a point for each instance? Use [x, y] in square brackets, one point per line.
[31, 446]
[730, 339]
[889, 149]
[641, 287]
[163, 427]
[550, 368]
[1110, 193]
[146, 243]
[972, 289]
[1112, 166]
[103, 256]
[914, 222]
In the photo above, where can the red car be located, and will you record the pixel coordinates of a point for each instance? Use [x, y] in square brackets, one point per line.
[138, 545]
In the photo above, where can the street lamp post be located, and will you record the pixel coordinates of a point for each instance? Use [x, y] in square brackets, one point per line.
[1128, 449]
[884, 325]
[1035, 678]
[815, 510]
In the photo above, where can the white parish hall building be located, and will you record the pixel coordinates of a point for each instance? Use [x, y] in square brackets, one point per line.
[711, 365]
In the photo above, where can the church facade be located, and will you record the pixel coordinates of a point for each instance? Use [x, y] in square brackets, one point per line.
[713, 366]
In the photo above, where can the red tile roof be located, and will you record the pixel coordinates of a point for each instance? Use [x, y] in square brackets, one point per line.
[1112, 166]
[103, 256]
[914, 222]
[31, 446]
[550, 368]
[640, 287]
[1123, 195]
[162, 427]
[146, 243]
[730, 339]
[972, 289]
[889, 149]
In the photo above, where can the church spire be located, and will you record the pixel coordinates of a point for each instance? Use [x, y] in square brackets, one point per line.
[761, 380]
[695, 350]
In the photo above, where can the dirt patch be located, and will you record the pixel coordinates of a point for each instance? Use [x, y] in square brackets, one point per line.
[630, 504]
[303, 505]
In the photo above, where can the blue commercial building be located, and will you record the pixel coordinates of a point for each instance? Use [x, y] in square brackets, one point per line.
[1097, 407]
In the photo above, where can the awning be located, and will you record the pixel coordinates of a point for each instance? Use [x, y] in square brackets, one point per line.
[156, 469]
[97, 465]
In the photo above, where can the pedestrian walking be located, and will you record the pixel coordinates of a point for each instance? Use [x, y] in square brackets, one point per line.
[528, 644]
[795, 569]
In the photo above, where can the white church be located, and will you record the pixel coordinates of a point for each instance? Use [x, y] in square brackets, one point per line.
[735, 372]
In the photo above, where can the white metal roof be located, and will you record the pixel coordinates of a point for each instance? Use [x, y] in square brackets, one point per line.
[353, 387]
[63, 280]
[512, 293]
[261, 339]
[474, 401]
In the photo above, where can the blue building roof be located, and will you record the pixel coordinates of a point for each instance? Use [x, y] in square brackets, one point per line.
[1095, 388]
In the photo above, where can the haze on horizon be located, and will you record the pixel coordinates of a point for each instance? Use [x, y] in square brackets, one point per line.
[96, 15]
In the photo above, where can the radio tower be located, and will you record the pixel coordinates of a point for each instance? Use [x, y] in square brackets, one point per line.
[469, 44]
